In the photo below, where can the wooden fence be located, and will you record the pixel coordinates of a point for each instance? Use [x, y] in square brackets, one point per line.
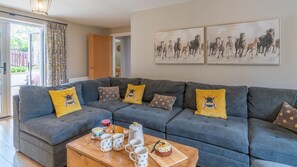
[18, 58]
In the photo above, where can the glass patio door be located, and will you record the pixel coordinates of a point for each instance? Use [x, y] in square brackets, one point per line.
[36, 58]
[4, 53]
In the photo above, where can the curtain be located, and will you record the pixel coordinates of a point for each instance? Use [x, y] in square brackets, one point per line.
[55, 61]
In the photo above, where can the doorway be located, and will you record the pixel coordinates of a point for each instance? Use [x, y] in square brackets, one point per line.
[23, 58]
[4, 51]
[122, 56]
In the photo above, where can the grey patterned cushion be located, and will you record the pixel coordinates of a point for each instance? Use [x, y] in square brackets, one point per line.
[109, 93]
[161, 101]
[287, 117]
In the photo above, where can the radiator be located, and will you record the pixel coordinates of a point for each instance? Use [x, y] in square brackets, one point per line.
[78, 79]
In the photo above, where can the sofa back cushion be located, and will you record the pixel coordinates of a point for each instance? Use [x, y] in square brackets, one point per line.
[164, 87]
[236, 98]
[90, 89]
[78, 88]
[123, 84]
[265, 103]
[35, 101]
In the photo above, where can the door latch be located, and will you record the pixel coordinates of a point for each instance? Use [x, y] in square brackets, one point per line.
[4, 68]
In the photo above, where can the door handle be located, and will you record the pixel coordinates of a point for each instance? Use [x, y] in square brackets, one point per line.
[4, 68]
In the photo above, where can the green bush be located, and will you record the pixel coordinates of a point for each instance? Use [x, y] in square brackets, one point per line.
[18, 69]
[23, 69]
[13, 69]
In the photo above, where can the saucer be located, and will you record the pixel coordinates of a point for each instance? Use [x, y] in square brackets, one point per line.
[95, 138]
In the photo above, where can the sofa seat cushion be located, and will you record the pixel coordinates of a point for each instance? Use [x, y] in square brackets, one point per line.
[271, 142]
[55, 130]
[111, 106]
[153, 118]
[262, 163]
[231, 133]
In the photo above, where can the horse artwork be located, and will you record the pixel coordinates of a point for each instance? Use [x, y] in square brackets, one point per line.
[240, 45]
[266, 41]
[180, 46]
[214, 47]
[252, 46]
[246, 43]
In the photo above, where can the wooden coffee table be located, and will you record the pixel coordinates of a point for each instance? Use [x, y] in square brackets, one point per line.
[86, 152]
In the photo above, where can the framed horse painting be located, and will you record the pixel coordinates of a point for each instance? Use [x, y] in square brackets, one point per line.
[179, 46]
[251, 43]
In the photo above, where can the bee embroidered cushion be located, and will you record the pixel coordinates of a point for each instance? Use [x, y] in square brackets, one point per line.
[287, 117]
[109, 93]
[65, 101]
[211, 103]
[161, 101]
[134, 94]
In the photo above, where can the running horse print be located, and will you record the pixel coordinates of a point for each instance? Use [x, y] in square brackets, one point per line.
[180, 46]
[248, 43]
[240, 45]
[266, 41]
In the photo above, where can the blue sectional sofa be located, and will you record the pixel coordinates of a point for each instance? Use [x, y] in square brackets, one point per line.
[246, 138]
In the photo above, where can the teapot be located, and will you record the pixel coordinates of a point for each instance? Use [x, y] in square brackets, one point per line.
[136, 132]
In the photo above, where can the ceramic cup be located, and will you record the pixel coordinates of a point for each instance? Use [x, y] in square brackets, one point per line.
[134, 143]
[118, 141]
[139, 156]
[97, 132]
[106, 143]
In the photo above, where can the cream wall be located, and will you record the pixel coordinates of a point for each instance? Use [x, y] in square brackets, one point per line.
[120, 30]
[77, 48]
[211, 12]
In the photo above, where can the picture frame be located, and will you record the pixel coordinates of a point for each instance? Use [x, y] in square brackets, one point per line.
[185, 46]
[248, 43]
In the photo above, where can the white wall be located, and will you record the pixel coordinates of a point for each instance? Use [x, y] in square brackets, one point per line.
[211, 12]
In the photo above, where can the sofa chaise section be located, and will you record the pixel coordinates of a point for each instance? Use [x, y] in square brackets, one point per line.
[262, 163]
[268, 141]
[55, 130]
[219, 141]
[230, 134]
[42, 136]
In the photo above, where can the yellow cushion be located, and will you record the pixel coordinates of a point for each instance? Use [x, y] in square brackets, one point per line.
[134, 94]
[65, 101]
[211, 103]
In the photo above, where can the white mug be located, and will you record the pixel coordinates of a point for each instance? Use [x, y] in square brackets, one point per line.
[134, 143]
[118, 141]
[97, 132]
[139, 156]
[106, 143]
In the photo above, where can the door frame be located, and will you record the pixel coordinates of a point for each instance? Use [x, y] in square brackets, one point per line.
[40, 32]
[114, 36]
[5, 49]
[8, 104]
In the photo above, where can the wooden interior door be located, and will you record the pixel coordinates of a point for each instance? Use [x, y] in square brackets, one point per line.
[99, 56]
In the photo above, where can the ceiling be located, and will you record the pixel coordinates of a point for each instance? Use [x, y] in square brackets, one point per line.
[101, 13]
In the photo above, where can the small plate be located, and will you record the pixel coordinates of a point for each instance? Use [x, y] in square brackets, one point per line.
[95, 138]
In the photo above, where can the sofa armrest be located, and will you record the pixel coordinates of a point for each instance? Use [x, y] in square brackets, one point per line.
[16, 122]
